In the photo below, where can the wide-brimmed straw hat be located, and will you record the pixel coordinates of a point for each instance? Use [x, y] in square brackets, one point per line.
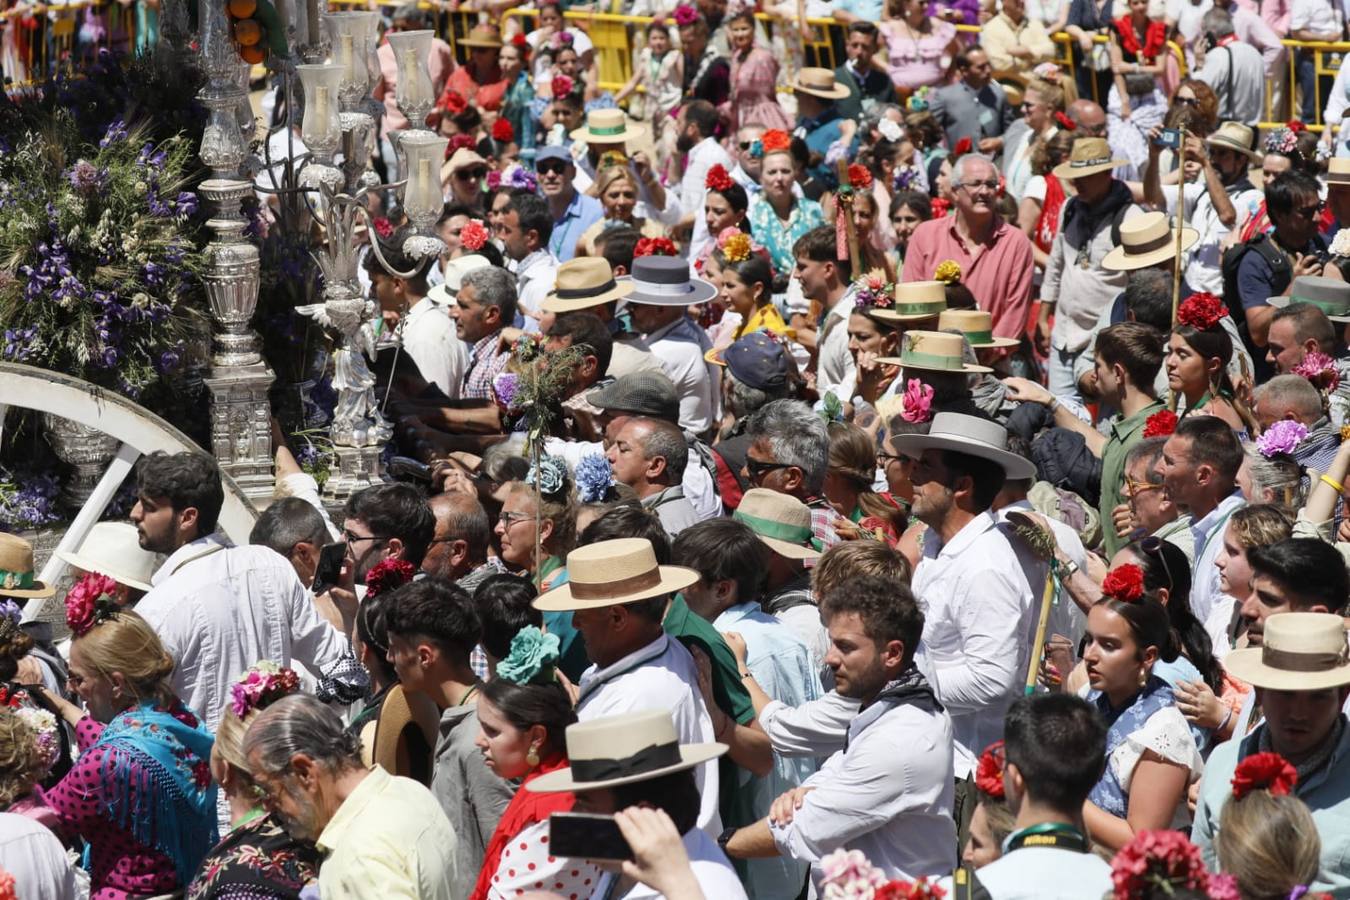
[1236, 136]
[444, 293]
[818, 83]
[406, 733]
[971, 435]
[1089, 156]
[914, 301]
[583, 283]
[1146, 240]
[482, 36]
[113, 549]
[615, 750]
[609, 573]
[933, 351]
[1338, 171]
[1300, 651]
[17, 576]
[665, 281]
[607, 126]
[779, 520]
[977, 326]
[1329, 295]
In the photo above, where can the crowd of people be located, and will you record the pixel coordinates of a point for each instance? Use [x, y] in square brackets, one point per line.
[910, 479]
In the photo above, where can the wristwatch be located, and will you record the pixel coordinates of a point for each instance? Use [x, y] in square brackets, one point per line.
[1067, 568]
[725, 837]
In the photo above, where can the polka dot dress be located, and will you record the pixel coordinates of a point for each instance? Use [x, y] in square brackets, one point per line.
[527, 866]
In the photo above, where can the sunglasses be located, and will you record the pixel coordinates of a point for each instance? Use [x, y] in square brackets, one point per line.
[471, 174]
[759, 469]
[744, 145]
[551, 167]
[1309, 212]
[1133, 487]
[1187, 101]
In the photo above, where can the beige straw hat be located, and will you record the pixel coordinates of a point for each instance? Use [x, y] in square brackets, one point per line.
[977, 325]
[17, 578]
[1146, 240]
[972, 435]
[914, 301]
[1299, 651]
[607, 126]
[1338, 170]
[482, 36]
[615, 750]
[406, 732]
[932, 351]
[1089, 156]
[819, 83]
[1236, 136]
[779, 520]
[609, 573]
[113, 549]
[583, 283]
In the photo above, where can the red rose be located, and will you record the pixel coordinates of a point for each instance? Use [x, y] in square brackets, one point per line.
[388, 574]
[989, 771]
[1161, 424]
[1264, 771]
[963, 147]
[1295, 125]
[1201, 311]
[1125, 583]
[940, 207]
[453, 102]
[502, 132]
[460, 142]
[519, 40]
[473, 236]
[1065, 122]
[562, 86]
[1154, 859]
[859, 178]
[383, 227]
[655, 247]
[718, 179]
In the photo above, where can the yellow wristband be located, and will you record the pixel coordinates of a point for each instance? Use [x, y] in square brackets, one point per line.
[1340, 489]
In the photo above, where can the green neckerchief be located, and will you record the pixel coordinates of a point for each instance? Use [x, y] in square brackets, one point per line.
[547, 568]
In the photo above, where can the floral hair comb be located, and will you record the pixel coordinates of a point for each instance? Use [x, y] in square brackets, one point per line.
[1201, 311]
[1162, 423]
[90, 602]
[948, 272]
[1283, 436]
[1124, 583]
[916, 405]
[718, 179]
[262, 685]
[550, 473]
[873, 291]
[473, 235]
[532, 659]
[736, 247]
[595, 476]
[775, 140]
[1321, 370]
[1264, 771]
[685, 15]
[655, 247]
[989, 771]
[388, 575]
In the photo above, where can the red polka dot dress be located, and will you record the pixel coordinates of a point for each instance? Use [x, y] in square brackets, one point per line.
[526, 865]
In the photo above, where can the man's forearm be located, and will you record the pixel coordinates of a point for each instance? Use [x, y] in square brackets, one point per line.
[485, 419]
[753, 842]
[749, 748]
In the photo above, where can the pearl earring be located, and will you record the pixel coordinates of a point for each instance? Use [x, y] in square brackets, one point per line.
[532, 756]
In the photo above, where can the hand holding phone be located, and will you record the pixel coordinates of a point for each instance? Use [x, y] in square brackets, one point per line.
[587, 836]
[329, 570]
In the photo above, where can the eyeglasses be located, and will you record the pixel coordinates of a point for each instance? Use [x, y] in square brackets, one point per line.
[885, 459]
[1309, 212]
[358, 538]
[474, 174]
[551, 167]
[1133, 487]
[758, 469]
[510, 518]
[972, 186]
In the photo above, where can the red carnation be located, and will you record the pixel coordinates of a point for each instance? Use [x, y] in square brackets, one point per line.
[940, 207]
[718, 179]
[774, 140]
[473, 235]
[388, 574]
[562, 85]
[1264, 771]
[1295, 125]
[454, 102]
[519, 40]
[1201, 311]
[655, 247]
[461, 142]
[1157, 863]
[383, 227]
[1161, 424]
[1065, 122]
[899, 889]
[859, 178]
[963, 147]
[1124, 583]
[502, 132]
[989, 771]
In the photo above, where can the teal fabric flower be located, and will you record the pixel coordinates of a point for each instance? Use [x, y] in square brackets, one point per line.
[532, 659]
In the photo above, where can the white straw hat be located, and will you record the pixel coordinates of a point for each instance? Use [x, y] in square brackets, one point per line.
[113, 549]
[615, 750]
[972, 435]
[609, 573]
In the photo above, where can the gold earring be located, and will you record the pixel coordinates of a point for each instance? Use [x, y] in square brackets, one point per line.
[532, 756]
[1143, 677]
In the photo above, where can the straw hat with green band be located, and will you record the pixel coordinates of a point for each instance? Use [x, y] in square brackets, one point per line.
[780, 521]
[607, 126]
[1327, 294]
[17, 575]
[977, 326]
[914, 301]
[932, 351]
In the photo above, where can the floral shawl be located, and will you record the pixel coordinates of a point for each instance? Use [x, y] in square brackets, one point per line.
[1108, 792]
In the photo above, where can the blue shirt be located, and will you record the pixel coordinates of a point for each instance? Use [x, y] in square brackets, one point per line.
[583, 212]
[869, 10]
[820, 133]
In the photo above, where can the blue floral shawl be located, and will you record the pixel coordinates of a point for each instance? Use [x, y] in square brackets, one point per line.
[1157, 694]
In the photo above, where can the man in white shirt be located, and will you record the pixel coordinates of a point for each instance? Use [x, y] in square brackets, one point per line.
[219, 608]
[34, 857]
[1234, 69]
[423, 328]
[826, 279]
[617, 595]
[888, 792]
[524, 228]
[1055, 749]
[1312, 20]
[1199, 467]
[975, 597]
[1185, 16]
[696, 138]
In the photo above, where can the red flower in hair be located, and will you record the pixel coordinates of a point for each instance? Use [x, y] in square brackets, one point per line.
[1160, 424]
[899, 889]
[383, 227]
[859, 178]
[718, 179]
[1264, 771]
[989, 771]
[519, 40]
[1156, 863]
[963, 146]
[461, 141]
[655, 247]
[1295, 125]
[89, 602]
[1125, 583]
[1065, 122]
[388, 574]
[454, 102]
[940, 207]
[774, 139]
[473, 235]
[562, 85]
[502, 132]
[1202, 311]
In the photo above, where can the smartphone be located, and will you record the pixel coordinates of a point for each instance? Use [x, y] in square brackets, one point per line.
[328, 571]
[586, 836]
[1169, 138]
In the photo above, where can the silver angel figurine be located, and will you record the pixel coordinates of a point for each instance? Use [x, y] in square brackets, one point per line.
[357, 421]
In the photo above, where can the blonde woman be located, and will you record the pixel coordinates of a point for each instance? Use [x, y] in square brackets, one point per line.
[617, 189]
[1267, 839]
[141, 793]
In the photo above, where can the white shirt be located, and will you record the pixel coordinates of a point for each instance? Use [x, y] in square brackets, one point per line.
[1065, 617]
[219, 609]
[535, 275]
[661, 675]
[1044, 873]
[835, 367]
[712, 871]
[679, 347]
[977, 608]
[431, 340]
[888, 795]
[1248, 77]
[1187, 15]
[33, 855]
[1204, 261]
[1207, 598]
[1313, 15]
[816, 728]
[693, 193]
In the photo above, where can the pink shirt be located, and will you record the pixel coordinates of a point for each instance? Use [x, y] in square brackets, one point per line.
[441, 63]
[999, 276]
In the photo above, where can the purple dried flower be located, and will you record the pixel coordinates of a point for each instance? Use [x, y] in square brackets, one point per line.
[86, 178]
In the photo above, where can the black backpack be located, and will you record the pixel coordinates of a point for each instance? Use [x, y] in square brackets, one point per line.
[1232, 261]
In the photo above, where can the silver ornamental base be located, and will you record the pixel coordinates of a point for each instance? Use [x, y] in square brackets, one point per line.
[356, 469]
[88, 450]
[241, 427]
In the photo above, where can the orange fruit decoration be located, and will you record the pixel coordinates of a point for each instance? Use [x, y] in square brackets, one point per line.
[242, 9]
[253, 55]
[247, 32]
